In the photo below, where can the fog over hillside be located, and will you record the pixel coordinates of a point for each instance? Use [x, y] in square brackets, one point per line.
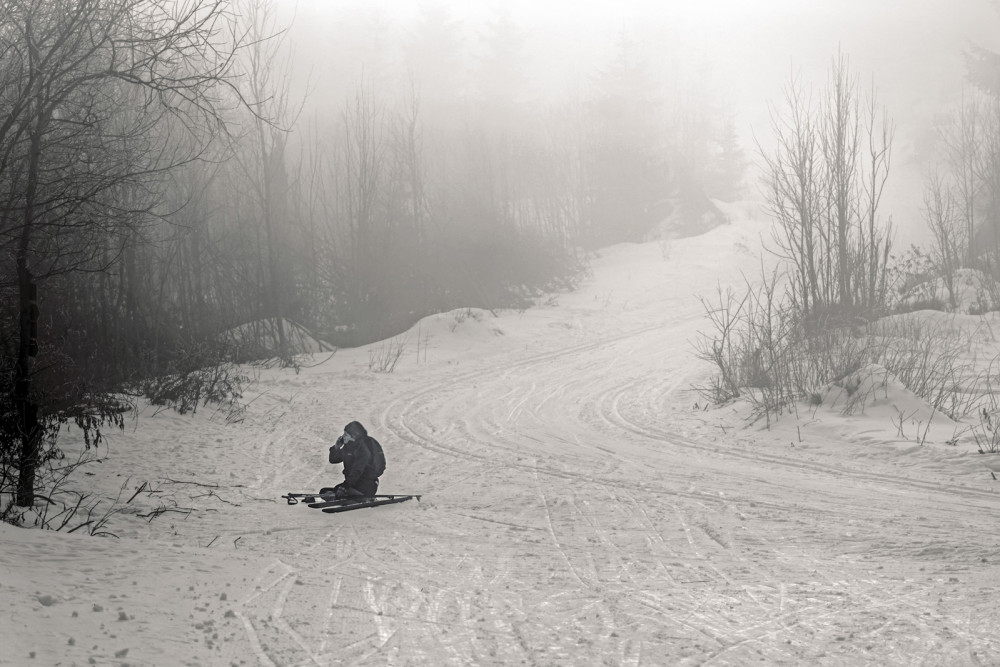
[517, 332]
[741, 55]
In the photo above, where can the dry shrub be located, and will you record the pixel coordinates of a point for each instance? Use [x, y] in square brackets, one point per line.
[765, 352]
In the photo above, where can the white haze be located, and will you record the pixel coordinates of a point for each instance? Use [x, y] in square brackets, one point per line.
[741, 54]
[582, 505]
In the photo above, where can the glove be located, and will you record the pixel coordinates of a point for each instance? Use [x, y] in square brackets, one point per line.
[337, 452]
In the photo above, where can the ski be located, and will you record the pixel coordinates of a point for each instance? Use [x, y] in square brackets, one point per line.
[363, 500]
[320, 500]
[371, 501]
[332, 502]
[294, 498]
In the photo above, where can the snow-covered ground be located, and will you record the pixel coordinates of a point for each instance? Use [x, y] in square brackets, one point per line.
[581, 506]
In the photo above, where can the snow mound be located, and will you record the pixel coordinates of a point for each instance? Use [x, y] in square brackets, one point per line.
[260, 339]
[468, 326]
[872, 395]
[871, 386]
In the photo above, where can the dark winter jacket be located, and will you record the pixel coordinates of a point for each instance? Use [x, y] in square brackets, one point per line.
[359, 456]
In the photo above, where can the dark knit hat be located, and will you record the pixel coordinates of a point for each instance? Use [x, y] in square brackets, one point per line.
[356, 430]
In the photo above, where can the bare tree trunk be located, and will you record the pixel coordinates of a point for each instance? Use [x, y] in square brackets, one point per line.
[268, 84]
[875, 241]
[794, 198]
[272, 156]
[25, 404]
[840, 142]
[365, 148]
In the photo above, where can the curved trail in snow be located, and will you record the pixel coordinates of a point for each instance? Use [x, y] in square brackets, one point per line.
[579, 511]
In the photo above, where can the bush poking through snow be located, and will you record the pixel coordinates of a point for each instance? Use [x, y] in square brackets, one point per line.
[382, 358]
[987, 434]
[201, 375]
[62, 509]
[765, 354]
[223, 384]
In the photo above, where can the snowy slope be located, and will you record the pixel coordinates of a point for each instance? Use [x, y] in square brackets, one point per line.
[581, 507]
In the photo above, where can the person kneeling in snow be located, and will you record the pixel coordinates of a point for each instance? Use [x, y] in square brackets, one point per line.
[363, 459]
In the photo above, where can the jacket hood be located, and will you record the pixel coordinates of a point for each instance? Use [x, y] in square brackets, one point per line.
[356, 430]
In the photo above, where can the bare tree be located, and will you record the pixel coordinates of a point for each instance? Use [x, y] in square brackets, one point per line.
[365, 146]
[824, 185]
[92, 96]
[943, 216]
[795, 199]
[874, 235]
[965, 149]
[407, 201]
[840, 141]
[265, 157]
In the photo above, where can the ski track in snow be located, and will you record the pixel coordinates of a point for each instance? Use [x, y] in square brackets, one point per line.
[579, 510]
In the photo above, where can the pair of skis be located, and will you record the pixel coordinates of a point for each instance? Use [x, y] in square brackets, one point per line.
[329, 504]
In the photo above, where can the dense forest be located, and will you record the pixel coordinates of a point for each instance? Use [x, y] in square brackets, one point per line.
[170, 203]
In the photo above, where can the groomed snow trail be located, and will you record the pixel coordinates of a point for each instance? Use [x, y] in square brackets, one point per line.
[582, 507]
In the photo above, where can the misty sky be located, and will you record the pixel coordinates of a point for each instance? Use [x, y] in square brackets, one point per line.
[747, 48]
[742, 53]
